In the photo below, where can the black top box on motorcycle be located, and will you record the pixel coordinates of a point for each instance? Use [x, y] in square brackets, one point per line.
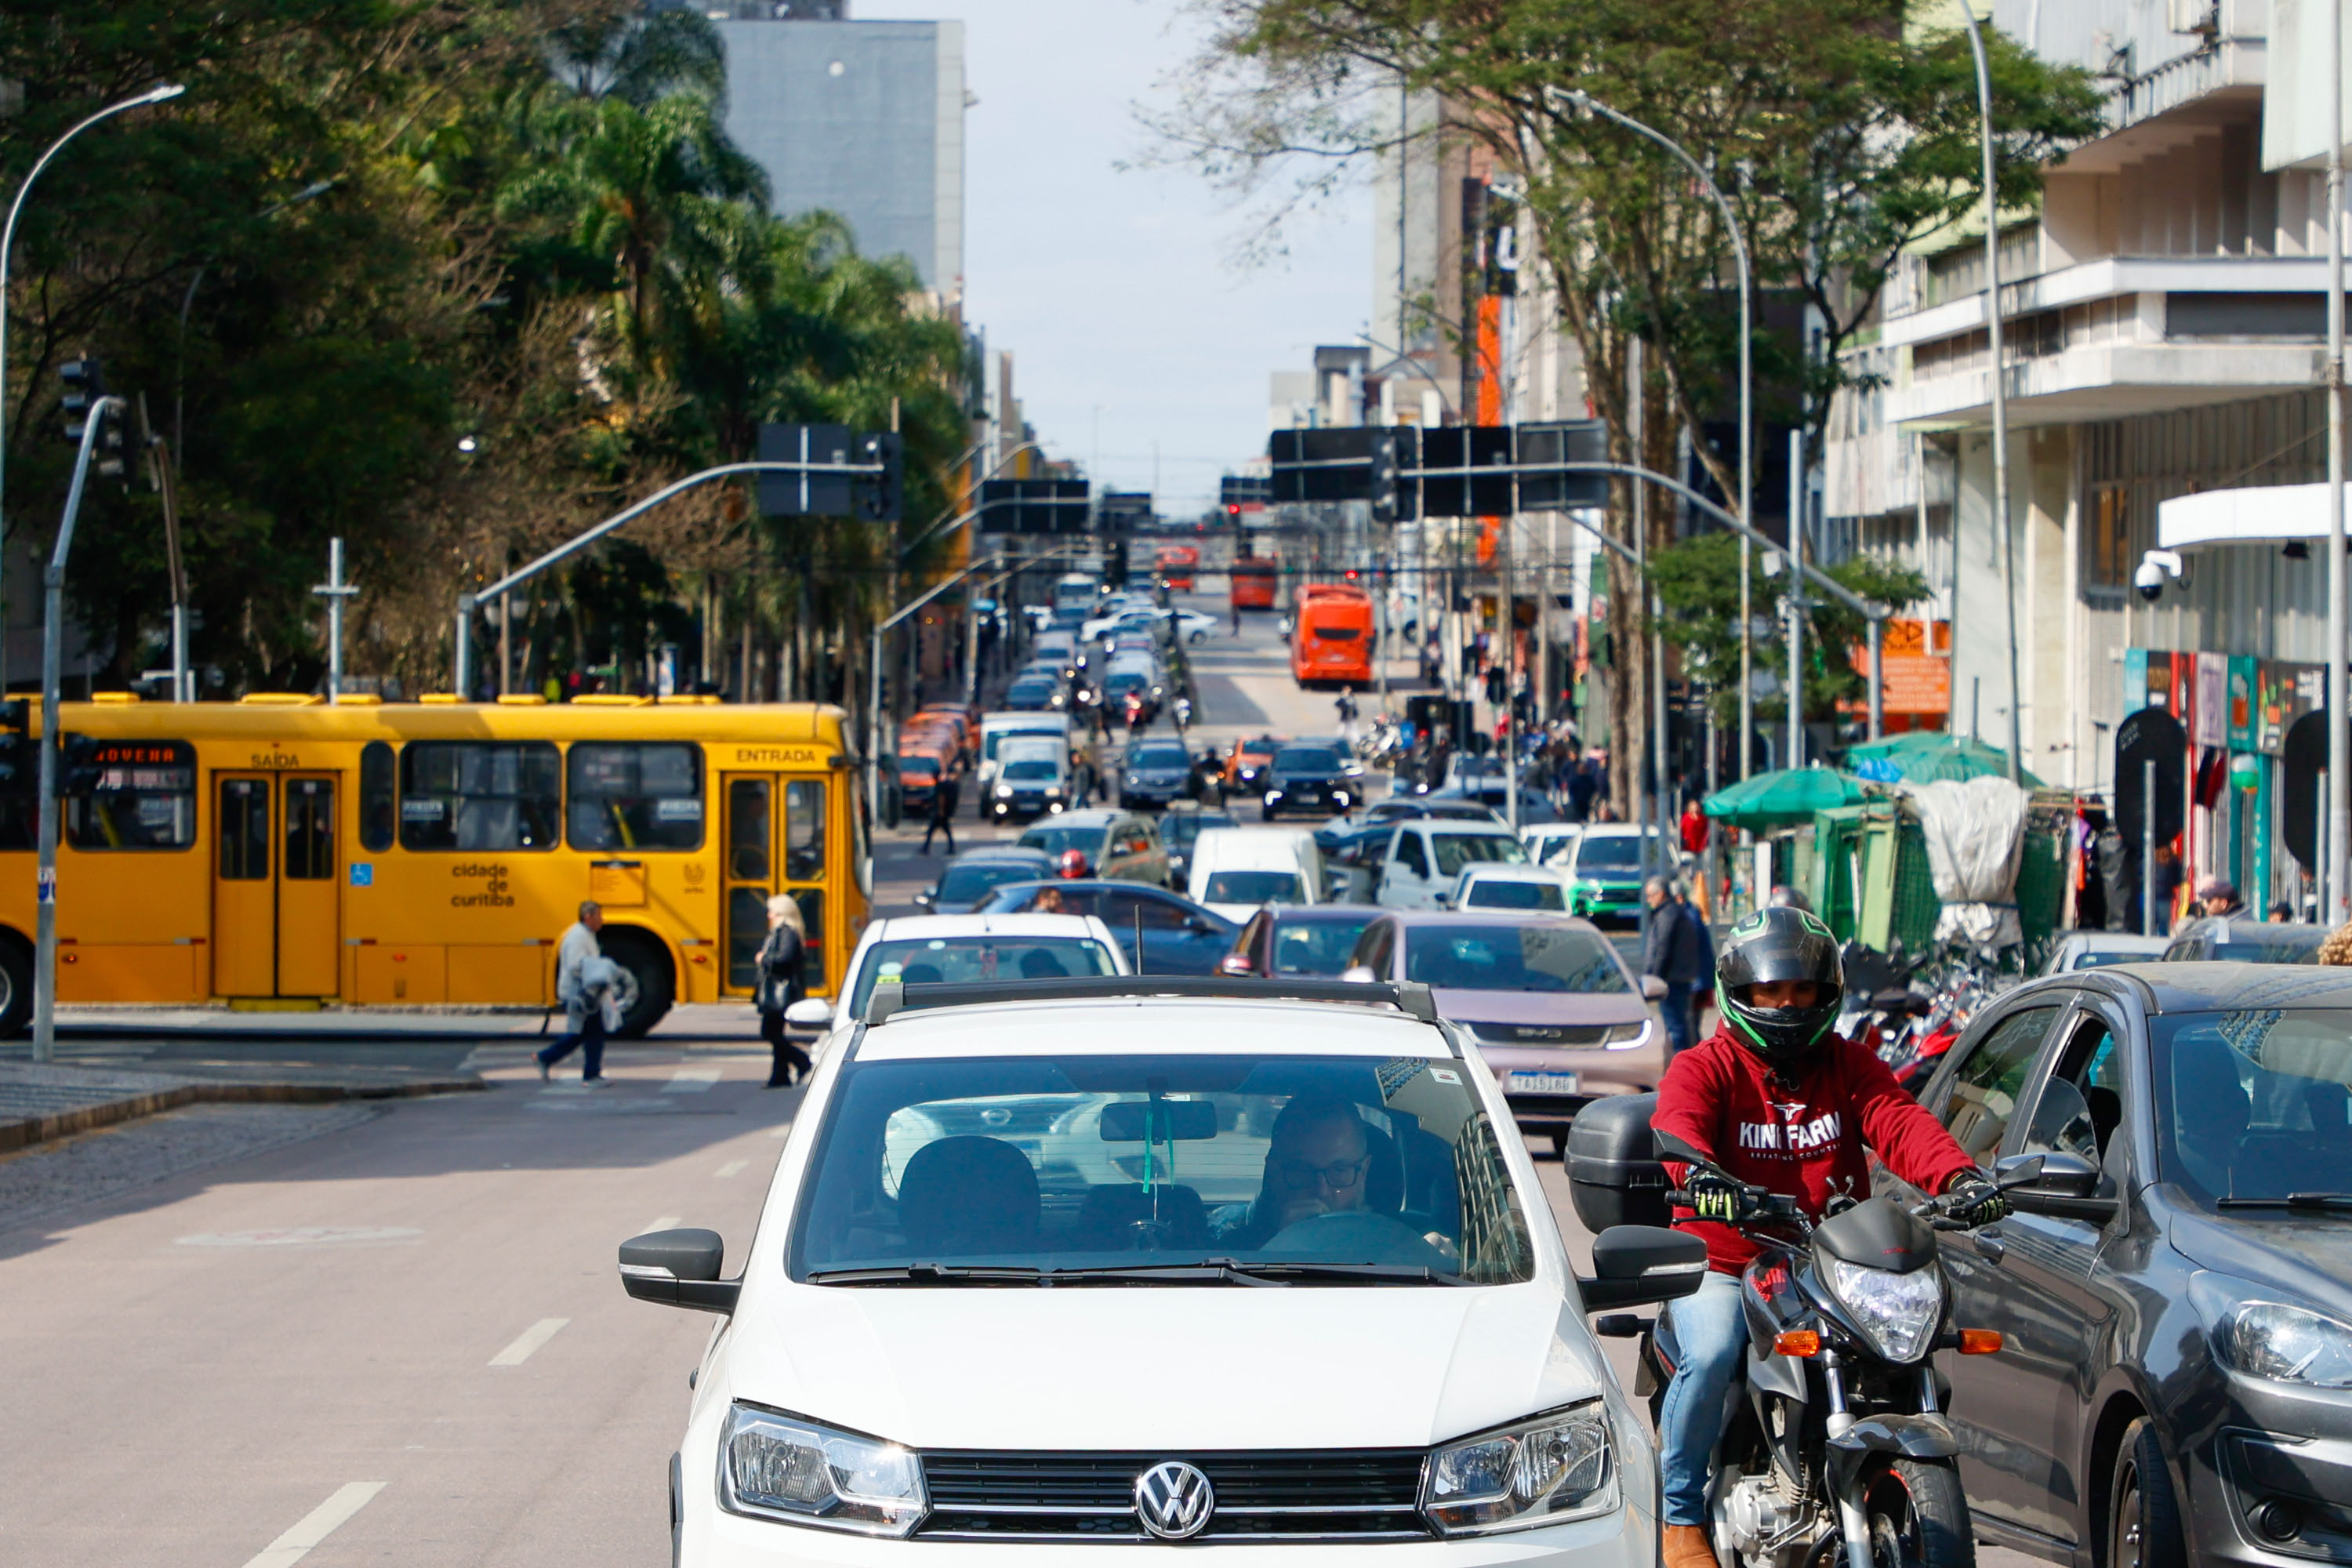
[1614, 1174]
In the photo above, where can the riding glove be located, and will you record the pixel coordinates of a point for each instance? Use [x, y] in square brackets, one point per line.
[1973, 1201]
[1713, 1195]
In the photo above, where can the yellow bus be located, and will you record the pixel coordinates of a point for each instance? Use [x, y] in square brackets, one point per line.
[279, 851]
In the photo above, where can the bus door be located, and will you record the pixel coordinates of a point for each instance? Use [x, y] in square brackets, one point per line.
[277, 929]
[775, 827]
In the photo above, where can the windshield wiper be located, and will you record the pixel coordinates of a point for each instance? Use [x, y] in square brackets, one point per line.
[927, 1274]
[1390, 1273]
[2292, 1201]
[1218, 1271]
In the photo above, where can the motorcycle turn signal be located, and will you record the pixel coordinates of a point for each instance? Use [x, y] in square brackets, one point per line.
[1799, 1342]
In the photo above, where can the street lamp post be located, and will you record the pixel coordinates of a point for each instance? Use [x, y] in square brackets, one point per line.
[2337, 891]
[2002, 541]
[157, 94]
[1746, 410]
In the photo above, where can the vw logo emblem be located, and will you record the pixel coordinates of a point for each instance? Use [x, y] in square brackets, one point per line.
[1175, 1501]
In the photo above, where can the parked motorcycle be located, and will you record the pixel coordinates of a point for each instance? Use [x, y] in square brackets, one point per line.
[1834, 1443]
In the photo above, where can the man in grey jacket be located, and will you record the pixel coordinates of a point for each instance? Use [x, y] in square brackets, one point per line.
[583, 1015]
[1679, 951]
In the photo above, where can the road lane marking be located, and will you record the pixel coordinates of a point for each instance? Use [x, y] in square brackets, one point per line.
[301, 1236]
[732, 1168]
[530, 1338]
[690, 1081]
[317, 1525]
[661, 1222]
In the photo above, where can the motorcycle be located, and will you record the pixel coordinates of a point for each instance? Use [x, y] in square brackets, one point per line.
[1834, 1443]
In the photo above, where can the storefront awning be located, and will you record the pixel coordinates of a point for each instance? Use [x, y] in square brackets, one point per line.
[2262, 514]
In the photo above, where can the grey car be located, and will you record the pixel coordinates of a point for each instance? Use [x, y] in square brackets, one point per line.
[2246, 938]
[2176, 1287]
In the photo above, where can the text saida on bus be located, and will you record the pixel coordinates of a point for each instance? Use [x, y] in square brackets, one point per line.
[1331, 635]
[433, 854]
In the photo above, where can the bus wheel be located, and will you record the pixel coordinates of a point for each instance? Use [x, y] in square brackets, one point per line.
[15, 990]
[657, 982]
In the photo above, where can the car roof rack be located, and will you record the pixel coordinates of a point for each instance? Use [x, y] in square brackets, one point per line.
[891, 997]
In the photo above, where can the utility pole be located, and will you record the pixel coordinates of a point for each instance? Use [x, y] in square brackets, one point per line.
[1795, 681]
[334, 590]
[2338, 890]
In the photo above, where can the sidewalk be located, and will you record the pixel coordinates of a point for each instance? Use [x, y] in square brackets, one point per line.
[44, 1101]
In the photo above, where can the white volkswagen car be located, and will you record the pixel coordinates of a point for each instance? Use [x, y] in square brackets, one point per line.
[953, 949]
[1049, 1272]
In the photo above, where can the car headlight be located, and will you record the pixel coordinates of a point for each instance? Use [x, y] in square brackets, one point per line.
[1898, 1313]
[773, 1466]
[1135, 778]
[1546, 1470]
[1625, 1036]
[2271, 1339]
[1004, 791]
[1052, 790]
[1341, 796]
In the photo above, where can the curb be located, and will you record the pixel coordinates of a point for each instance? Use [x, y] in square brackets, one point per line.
[23, 1134]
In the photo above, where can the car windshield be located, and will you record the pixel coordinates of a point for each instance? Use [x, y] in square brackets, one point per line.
[1162, 755]
[2254, 1104]
[1059, 837]
[1608, 852]
[1378, 1170]
[1535, 957]
[1316, 947]
[1455, 850]
[1032, 768]
[995, 738]
[969, 884]
[2094, 958]
[928, 767]
[956, 960]
[1499, 894]
[1307, 759]
[1252, 888]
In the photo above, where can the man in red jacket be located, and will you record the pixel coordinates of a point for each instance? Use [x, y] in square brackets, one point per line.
[1775, 1098]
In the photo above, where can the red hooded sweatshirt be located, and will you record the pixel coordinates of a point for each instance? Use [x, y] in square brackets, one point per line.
[1802, 1135]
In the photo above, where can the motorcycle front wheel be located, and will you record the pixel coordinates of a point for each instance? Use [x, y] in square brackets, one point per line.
[1919, 1516]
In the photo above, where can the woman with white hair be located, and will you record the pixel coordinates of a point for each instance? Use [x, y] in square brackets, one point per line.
[780, 986]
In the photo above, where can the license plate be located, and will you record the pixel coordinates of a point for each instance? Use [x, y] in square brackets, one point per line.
[1539, 1083]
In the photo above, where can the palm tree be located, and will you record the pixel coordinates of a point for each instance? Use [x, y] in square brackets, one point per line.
[634, 53]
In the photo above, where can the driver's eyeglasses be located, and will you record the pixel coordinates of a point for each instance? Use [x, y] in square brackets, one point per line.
[1298, 1175]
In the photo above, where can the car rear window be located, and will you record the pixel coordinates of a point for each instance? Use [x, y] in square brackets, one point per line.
[1316, 947]
[1507, 895]
[1455, 850]
[970, 884]
[960, 960]
[1252, 888]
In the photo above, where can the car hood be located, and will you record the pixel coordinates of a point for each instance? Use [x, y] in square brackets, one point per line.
[1539, 1006]
[2307, 1256]
[1181, 1367]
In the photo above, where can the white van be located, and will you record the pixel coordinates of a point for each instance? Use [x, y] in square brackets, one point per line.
[995, 727]
[1033, 779]
[1075, 592]
[1426, 858]
[1234, 870]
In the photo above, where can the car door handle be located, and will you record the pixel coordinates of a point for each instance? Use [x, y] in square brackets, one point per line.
[1989, 1244]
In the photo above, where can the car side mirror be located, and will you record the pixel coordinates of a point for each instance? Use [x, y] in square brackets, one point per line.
[923, 900]
[812, 1013]
[1359, 974]
[679, 1269]
[1643, 1265]
[1653, 988]
[1236, 966]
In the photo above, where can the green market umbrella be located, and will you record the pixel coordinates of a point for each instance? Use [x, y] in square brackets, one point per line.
[1922, 756]
[1783, 796]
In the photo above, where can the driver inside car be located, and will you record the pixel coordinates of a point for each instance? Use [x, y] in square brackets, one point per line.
[1314, 1165]
[1776, 1100]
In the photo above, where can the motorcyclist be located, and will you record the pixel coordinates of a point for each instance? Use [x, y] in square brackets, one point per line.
[1776, 1099]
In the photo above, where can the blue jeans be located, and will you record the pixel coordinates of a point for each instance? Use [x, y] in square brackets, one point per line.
[588, 1040]
[1675, 1009]
[1704, 1337]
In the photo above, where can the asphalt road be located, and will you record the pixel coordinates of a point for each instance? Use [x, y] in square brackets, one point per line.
[343, 1335]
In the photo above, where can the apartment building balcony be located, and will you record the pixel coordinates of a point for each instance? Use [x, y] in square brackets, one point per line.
[2114, 337]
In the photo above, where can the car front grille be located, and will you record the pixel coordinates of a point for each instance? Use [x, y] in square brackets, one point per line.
[1541, 1034]
[1358, 1494]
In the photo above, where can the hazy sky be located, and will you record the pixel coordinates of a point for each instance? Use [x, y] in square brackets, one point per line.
[1118, 289]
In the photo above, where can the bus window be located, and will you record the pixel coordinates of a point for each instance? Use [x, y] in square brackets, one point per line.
[747, 832]
[475, 795]
[310, 830]
[379, 800]
[145, 799]
[804, 830]
[643, 796]
[245, 830]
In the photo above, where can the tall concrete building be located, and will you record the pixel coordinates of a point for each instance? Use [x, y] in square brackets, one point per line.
[864, 120]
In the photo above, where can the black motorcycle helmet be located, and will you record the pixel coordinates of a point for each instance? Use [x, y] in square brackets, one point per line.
[1778, 945]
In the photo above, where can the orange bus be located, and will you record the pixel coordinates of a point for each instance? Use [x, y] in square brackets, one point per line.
[1252, 577]
[1177, 562]
[279, 852]
[1331, 636]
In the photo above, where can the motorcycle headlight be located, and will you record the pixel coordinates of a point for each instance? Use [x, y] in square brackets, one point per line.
[1546, 1471]
[2271, 1339]
[1898, 1313]
[773, 1466]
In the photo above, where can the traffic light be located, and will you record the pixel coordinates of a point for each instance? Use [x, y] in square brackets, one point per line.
[879, 497]
[85, 385]
[20, 764]
[1395, 497]
[79, 770]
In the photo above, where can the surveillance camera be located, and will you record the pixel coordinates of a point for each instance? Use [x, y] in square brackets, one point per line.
[2149, 580]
